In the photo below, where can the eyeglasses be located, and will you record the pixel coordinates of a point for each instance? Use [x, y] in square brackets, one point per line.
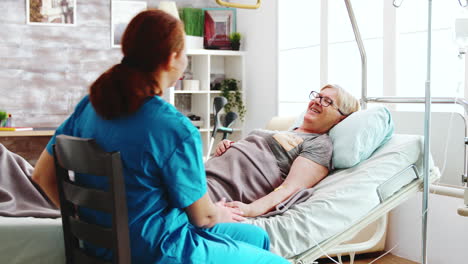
[324, 101]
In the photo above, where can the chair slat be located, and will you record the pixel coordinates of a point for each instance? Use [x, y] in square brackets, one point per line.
[87, 197]
[82, 257]
[94, 234]
[92, 159]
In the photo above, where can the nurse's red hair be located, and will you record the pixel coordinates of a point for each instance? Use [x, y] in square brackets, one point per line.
[149, 40]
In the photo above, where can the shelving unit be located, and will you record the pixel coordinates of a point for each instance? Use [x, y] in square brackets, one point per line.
[205, 64]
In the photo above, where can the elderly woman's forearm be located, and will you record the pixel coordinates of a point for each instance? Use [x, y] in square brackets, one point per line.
[268, 202]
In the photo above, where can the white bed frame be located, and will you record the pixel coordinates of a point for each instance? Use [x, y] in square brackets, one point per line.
[375, 221]
[310, 256]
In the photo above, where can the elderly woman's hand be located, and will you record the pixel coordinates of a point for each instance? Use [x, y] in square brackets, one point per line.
[222, 147]
[228, 214]
[247, 209]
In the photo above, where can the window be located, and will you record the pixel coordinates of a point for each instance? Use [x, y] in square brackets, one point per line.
[317, 46]
[299, 53]
[303, 63]
[55, 3]
[447, 67]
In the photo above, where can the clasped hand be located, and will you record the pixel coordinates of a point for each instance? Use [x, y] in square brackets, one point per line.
[222, 147]
[229, 214]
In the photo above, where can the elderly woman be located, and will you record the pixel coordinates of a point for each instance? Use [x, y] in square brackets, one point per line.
[267, 168]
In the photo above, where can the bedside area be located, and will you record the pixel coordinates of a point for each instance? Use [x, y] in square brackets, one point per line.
[27, 144]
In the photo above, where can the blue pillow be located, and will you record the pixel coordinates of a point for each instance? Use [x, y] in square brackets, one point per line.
[359, 135]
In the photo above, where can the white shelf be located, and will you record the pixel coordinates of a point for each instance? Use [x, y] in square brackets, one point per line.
[199, 92]
[215, 52]
[190, 92]
[205, 64]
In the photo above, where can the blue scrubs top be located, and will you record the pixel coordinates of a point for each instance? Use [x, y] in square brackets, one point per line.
[164, 173]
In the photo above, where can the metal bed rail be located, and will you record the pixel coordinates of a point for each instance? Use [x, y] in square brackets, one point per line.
[435, 100]
[418, 100]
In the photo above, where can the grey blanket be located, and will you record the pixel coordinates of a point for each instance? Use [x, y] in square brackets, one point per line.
[19, 195]
[247, 172]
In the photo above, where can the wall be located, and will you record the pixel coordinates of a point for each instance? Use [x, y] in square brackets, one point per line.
[447, 231]
[260, 31]
[46, 70]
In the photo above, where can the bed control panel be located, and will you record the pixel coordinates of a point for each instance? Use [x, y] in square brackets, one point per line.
[398, 181]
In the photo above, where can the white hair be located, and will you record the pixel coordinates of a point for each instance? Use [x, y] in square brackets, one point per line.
[346, 102]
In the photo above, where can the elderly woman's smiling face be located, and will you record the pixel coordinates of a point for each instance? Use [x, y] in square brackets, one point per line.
[320, 118]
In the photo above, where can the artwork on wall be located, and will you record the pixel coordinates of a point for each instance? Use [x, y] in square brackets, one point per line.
[51, 12]
[219, 24]
[122, 13]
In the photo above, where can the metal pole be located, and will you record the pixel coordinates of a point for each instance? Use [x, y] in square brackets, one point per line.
[362, 51]
[427, 129]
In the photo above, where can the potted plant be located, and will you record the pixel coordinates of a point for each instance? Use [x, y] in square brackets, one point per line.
[235, 38]
[230, 89]
[3, 118]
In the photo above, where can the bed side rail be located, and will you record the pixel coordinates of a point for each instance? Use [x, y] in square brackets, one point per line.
[435, 100]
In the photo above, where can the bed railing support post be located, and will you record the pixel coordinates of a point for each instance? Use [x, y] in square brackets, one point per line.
[362, 51]
[427, 129]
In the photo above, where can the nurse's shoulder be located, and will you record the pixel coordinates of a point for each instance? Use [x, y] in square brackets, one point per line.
[167, 120]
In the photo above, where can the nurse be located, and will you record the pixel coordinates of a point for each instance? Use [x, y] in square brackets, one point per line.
[171, 217]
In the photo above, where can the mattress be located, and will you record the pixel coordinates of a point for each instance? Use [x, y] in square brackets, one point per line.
[31, 240]
[338, 202]
[343, 198]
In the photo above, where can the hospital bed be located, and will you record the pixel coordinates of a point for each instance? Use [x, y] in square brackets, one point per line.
[343, 204]
[347, 201]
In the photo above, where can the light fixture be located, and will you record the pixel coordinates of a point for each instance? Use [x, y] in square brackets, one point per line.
[236, 5]
[169, 7]
[397, 3]
[463, 3]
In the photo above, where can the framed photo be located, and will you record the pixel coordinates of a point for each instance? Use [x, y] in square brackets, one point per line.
[218, 25]
[51, 12]
[122, 13]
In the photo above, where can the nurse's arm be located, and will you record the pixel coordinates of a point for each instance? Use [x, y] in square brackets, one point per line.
[44, 176]
[204, 213]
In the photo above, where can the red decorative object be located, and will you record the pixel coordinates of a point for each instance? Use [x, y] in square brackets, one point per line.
[219, 23]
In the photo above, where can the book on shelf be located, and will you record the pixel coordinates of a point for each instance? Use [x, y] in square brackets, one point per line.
[15, 128]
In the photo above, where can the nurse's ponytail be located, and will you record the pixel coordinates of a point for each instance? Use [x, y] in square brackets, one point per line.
[149, 40]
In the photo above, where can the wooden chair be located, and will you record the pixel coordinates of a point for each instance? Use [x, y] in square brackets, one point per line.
[85, 156]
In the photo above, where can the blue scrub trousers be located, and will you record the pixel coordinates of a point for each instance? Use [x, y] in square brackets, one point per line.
[252, 246]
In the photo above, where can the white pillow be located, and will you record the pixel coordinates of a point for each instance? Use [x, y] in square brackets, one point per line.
[358, 135]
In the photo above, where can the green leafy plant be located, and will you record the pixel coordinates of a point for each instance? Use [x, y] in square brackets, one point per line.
[235, 38]
[230, 89]
[193, 21]
[3, 118]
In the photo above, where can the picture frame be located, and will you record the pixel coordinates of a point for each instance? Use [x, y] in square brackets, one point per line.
[51, 12]
[219, 23]
[122, 12]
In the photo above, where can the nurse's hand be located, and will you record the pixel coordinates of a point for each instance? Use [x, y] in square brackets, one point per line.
[228, 214]
[222, 146]
[245, 208]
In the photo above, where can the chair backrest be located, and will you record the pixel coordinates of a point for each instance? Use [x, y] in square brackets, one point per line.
[85, 156]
